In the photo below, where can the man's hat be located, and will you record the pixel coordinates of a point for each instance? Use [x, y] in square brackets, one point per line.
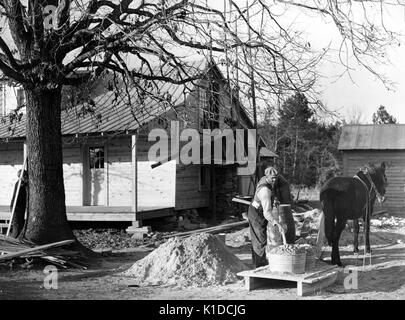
[270, 171]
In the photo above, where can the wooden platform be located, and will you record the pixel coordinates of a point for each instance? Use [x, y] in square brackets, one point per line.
[322, 276]
[104, 213]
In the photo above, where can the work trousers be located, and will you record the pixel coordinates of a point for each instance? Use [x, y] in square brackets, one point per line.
[258, 236]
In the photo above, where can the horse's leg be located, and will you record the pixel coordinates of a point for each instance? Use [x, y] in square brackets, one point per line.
[340, 225]
[356, 229]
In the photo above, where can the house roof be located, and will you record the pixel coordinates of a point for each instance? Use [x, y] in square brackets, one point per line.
[373, 137]
[112, 111]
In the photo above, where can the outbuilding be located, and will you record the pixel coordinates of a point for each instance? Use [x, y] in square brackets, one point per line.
[363, 144]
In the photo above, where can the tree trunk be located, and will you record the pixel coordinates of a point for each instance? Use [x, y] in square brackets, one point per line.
[295, 154]
[47, 220]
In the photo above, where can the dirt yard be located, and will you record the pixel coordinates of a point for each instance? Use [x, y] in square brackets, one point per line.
[384, 279]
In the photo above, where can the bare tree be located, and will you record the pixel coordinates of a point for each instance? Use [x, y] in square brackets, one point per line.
[355, 115]
[51, 43]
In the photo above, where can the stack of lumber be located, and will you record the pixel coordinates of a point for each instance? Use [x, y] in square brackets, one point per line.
[11, 248]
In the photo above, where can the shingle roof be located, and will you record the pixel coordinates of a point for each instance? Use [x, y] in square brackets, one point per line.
[373, 137]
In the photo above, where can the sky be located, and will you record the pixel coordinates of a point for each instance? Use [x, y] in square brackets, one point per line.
[360, 93]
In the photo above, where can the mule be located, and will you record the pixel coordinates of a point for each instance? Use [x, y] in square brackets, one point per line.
[351, 198]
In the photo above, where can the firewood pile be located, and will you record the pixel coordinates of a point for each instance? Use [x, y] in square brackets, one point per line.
[12, 249]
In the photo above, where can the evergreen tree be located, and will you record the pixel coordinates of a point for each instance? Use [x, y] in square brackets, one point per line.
[381, 116]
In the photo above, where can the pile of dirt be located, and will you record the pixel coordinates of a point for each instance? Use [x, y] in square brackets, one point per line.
[199, 260]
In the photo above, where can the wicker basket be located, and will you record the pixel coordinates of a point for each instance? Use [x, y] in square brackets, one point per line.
[292, 263]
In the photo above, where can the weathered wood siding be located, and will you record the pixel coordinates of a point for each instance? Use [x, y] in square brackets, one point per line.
[188, 192]
[156, 187]
[186, 185]
[73, 175]
[395, 193]
[11, 160]
[119, 172]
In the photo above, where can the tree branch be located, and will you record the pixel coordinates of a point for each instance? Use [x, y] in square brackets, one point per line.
[10, 72]
[15, 17]
[4, 47]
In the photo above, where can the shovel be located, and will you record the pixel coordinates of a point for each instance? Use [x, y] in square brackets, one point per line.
[282, 234]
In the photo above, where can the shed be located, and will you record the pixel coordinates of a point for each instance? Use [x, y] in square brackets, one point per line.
[361, 144]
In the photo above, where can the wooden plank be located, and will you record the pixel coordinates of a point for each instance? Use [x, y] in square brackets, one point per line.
[241, 201]
[251, 283]
[211, 229]
[316, 287]
[320, 276]
[37, 248]
[95, 213]
[100, 217]
[307, 283]
[264, 272]
[151, 214]
[99, 209]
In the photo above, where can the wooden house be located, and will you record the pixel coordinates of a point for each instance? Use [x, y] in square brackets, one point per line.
[108, 175]
[362, 144]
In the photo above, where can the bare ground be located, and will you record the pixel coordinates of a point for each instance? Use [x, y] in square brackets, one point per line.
[383, 279]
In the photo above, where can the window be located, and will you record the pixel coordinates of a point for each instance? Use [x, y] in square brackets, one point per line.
[96, 157]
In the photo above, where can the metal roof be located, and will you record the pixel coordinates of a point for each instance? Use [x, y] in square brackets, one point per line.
[373, 137]
[108, 115]
[115, 110]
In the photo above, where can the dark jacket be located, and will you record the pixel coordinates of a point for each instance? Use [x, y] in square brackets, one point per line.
[282, 190]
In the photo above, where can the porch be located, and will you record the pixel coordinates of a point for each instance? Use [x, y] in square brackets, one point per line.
[104, 213]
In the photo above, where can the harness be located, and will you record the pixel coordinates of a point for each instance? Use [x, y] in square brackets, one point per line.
[368, 204]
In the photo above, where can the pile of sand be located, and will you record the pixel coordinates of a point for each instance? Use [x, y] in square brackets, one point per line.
[199, 260]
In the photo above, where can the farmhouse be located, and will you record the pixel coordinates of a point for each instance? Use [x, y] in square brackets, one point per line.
[107, 172]
[362, 144]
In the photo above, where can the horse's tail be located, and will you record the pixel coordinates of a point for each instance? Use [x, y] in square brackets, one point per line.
[329, 213]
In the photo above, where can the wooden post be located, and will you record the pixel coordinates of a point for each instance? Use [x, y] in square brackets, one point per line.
[136, 223]
[16, 195]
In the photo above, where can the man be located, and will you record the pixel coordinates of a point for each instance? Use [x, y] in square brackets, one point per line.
[272, 189]
[17, 223]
